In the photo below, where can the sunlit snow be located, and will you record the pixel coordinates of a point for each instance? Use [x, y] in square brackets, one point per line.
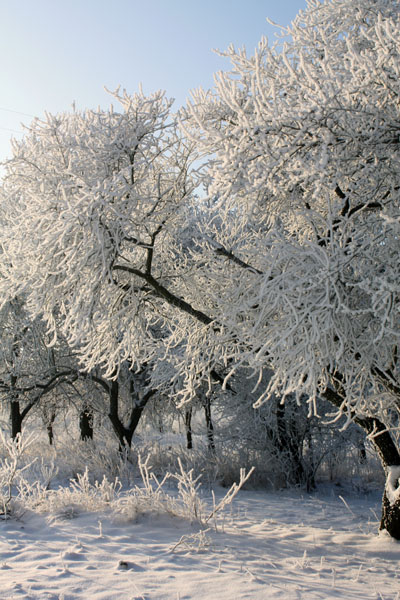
[270, 545]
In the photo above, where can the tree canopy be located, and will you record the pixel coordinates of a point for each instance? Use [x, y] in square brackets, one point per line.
[289, 264]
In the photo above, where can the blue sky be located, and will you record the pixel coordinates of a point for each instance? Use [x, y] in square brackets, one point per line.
[54, 52]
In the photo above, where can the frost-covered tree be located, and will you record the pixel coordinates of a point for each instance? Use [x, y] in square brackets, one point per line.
[30, 372]
[99, 216]
[291, 263]
[305, 138]
[92, 203]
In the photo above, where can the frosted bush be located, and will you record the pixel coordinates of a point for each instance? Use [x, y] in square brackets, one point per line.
[187, 504]
[184, 500]
[151, 497]
[11, 467]
[102, 458]
[80, 495]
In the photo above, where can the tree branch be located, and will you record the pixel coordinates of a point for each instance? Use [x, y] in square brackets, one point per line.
[163, 293]
[238, 261]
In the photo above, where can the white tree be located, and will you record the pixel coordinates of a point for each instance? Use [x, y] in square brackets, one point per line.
[89, 196]
[291, 264]
[305, 138]
[100, 222]
[29, 370]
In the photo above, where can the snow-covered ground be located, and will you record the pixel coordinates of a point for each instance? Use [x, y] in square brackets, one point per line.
[286, 545]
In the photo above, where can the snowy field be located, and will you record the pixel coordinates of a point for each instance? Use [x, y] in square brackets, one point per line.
[286, 545]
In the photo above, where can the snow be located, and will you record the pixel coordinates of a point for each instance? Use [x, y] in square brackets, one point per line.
[270, 545]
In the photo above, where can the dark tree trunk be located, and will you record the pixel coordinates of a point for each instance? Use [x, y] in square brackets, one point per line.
[389, 457]
[49, 427]
[188, 427]
[362, 453]
[17, 415]
[310, 472]
[86, 424]
[390, 517]
[289, 444]
[125, 434]
[113, 415]
[15, 409]
[209, 424]
[50, 433]
[16, 418]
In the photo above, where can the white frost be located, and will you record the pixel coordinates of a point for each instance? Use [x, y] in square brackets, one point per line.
[392, 484]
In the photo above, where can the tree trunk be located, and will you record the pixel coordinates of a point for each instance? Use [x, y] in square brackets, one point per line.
[15, 409]
[209, 424]
[49, 427]
[16, 415]
[389, 457]
[50, 433]
[362, 453]
[188, 427]
[16, 418]
[86, 424]
[113, 415]
[125, 434]
[289, 443]
[139, 404]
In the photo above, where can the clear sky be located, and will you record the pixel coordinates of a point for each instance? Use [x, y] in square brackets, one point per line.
[56, 52]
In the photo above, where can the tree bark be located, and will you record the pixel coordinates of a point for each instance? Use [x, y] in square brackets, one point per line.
[136, 414]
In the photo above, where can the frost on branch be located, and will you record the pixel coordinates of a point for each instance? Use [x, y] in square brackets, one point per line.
[305, 168]
[94, 202]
